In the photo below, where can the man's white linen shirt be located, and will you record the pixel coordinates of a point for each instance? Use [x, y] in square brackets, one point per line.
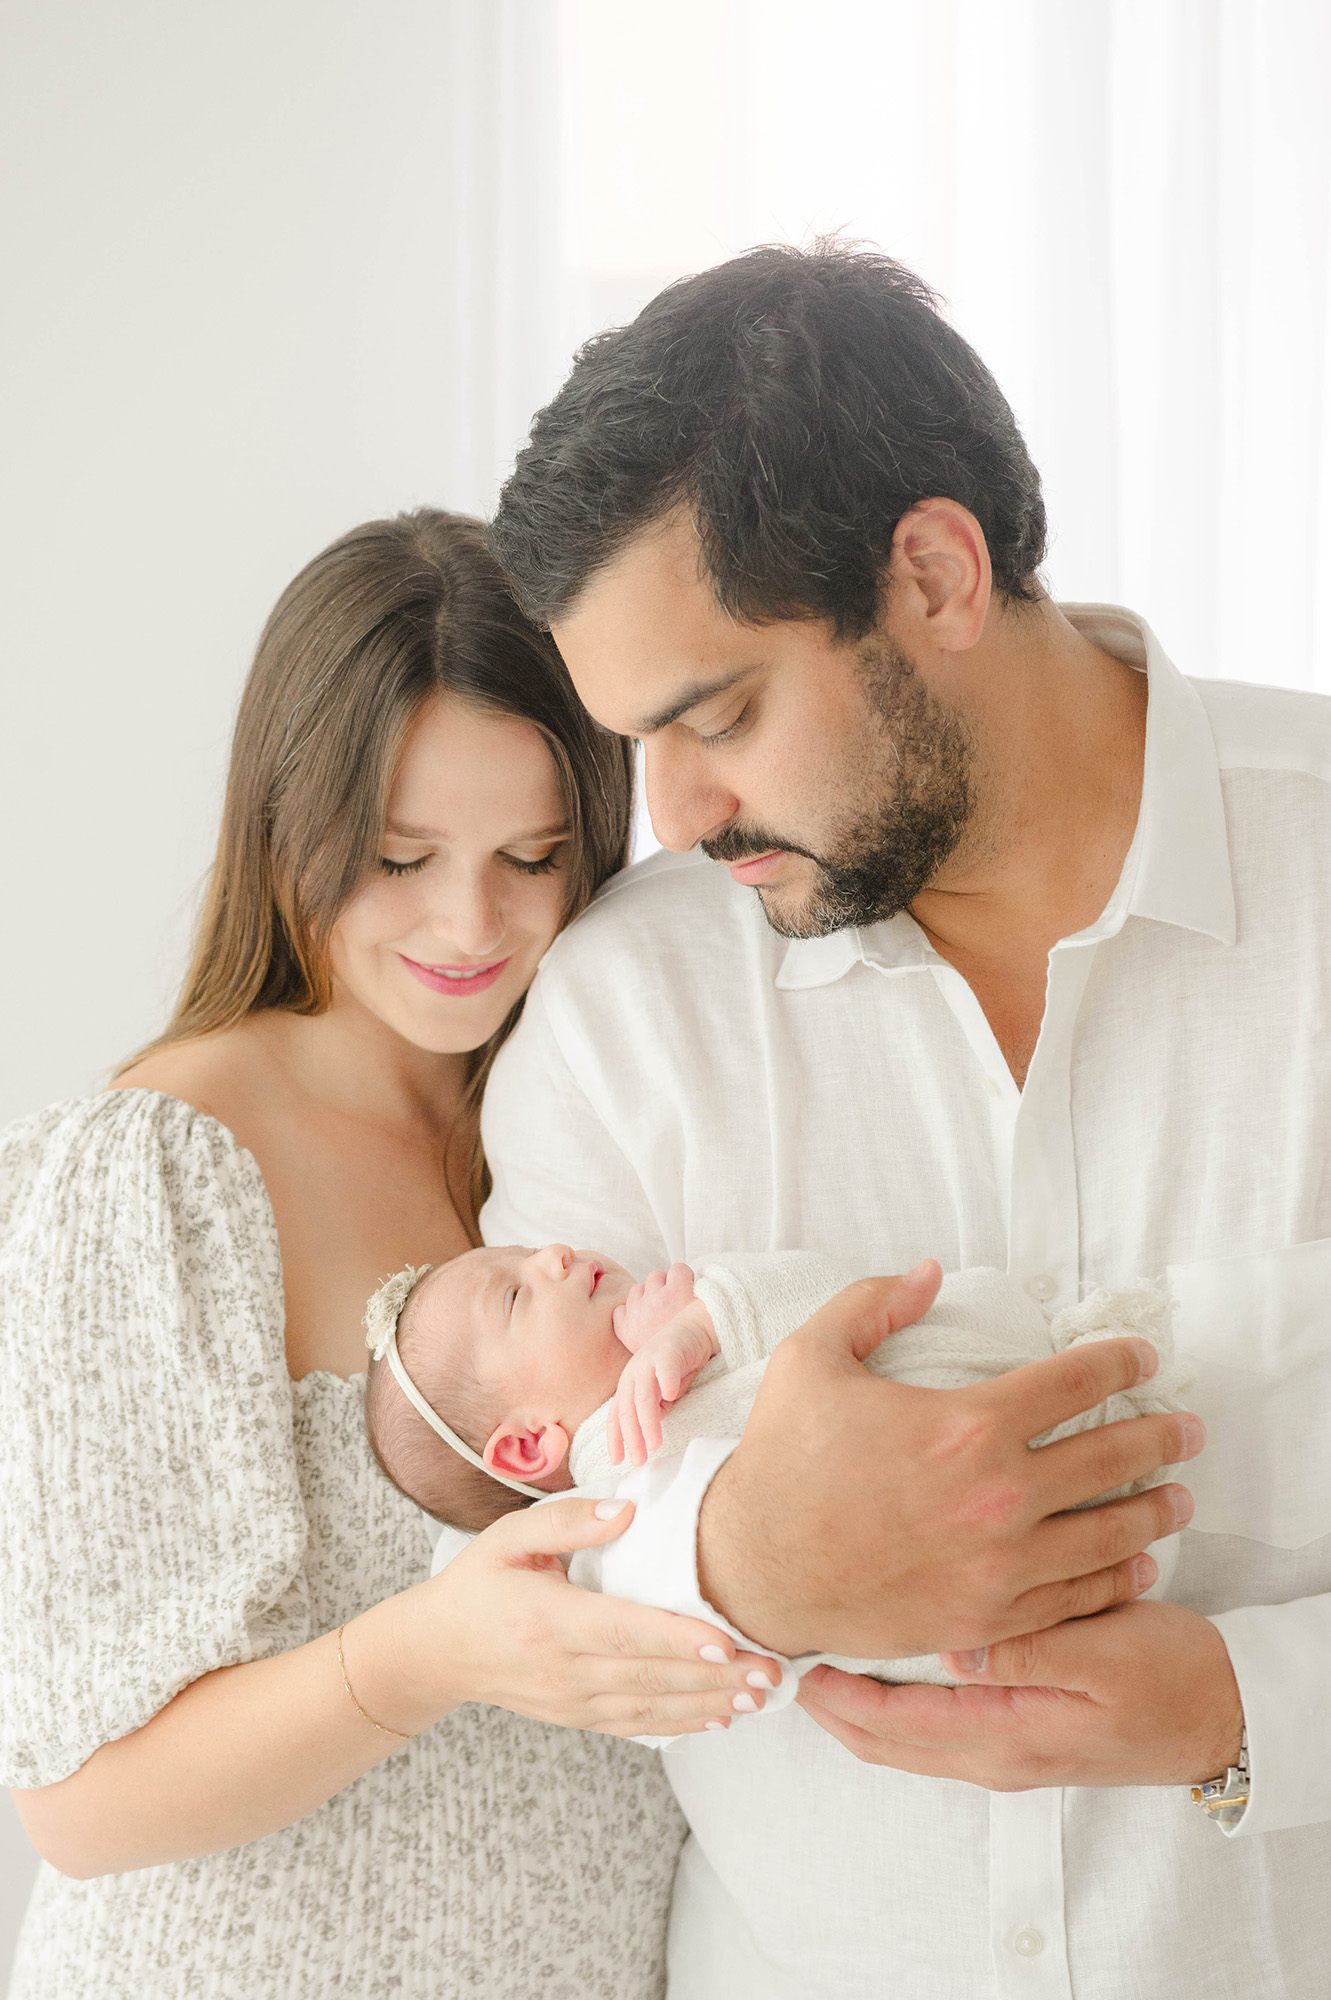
[685, 1081]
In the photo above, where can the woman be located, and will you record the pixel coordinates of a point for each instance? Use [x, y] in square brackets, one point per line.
[264, 1752]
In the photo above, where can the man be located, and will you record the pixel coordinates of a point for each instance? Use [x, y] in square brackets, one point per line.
[1035, 975]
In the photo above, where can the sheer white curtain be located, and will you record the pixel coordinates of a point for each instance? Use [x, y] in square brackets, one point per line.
[1124, 202]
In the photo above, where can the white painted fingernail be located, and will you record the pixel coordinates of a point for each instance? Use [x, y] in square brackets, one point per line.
[757, 1680]
[606, 1510]
[744, 1704]
[714, 1724]
[716, 1654]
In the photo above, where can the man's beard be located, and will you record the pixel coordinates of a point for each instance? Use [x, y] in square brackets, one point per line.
[914, 801]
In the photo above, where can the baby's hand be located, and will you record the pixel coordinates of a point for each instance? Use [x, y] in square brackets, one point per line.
[659, 1373]
[652, 1305]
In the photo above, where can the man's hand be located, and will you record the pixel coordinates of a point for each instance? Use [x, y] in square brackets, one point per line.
[1140, 1695]
[860, 1516]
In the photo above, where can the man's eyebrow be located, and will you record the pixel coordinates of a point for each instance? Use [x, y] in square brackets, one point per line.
[691, 696]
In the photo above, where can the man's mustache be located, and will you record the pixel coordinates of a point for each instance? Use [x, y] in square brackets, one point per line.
[746, 843]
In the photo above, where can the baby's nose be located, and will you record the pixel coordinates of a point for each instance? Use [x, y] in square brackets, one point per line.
[557, 1257]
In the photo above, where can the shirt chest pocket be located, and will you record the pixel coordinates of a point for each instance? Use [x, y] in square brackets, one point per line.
[1257, 1331]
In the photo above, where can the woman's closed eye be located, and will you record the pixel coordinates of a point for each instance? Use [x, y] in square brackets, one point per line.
[402, 867]
[542, 864]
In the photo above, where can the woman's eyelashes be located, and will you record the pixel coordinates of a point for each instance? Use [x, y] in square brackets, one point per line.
[543, 864]
[546, 865]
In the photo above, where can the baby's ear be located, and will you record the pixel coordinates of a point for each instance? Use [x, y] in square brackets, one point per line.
[525, 1454]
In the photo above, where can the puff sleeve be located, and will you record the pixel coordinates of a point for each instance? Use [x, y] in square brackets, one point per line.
[154, 1528]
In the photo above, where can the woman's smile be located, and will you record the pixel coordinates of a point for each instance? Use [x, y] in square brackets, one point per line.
[457, 980]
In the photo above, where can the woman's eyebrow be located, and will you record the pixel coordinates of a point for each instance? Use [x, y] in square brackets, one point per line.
[557, 831]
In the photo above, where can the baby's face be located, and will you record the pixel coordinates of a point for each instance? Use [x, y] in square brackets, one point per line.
[541, 1325]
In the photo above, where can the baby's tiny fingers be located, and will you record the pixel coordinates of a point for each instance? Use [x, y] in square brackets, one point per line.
[649, 1415]
[633, 1443]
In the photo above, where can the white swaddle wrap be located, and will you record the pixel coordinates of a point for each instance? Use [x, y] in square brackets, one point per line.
[982, 1324]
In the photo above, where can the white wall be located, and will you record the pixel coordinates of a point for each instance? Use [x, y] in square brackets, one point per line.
[254, 293]
[253, 282]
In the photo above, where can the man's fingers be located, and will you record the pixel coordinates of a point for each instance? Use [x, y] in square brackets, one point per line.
[1083, 1596]
[1045, 1393]
[1093, 1538]
[1075, 1469]
[912, 1713]
[862, 1315]
[1080, 1655]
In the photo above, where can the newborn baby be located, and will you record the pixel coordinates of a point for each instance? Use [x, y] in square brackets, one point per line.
[510, 1374]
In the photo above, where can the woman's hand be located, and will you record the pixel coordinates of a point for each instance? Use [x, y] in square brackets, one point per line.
[503, 1624]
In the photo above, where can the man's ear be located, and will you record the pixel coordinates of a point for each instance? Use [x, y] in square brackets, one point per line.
[526, 1454]
[939, 576]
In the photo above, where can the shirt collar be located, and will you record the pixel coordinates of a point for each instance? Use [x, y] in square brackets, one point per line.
[1177, 870]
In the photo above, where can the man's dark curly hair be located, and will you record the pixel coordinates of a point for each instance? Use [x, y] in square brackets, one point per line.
[797, 402]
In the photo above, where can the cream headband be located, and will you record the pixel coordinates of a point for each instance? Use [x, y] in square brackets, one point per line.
[381, 1318]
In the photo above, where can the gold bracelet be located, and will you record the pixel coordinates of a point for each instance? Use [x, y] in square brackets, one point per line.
[400, 1734]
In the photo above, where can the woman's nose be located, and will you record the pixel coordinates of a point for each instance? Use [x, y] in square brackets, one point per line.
[470, 919]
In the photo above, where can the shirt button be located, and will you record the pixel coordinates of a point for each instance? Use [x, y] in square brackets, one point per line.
[1028, 1943]
[1042, 1287]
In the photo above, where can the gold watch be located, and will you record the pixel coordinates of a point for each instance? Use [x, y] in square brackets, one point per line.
[1225, 1799]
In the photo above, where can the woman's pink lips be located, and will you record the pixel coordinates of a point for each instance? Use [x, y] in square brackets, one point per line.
[435, 978]
[759, 868]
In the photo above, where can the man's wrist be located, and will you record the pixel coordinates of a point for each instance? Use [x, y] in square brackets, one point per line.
[734, 1567]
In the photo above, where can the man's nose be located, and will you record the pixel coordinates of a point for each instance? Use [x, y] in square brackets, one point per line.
[685, 802]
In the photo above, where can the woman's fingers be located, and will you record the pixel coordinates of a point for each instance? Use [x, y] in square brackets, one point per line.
[655, 1697]
[664, 1715]
[555, 1528]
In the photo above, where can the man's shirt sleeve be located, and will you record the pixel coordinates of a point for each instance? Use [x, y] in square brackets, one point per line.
[1280, 1655]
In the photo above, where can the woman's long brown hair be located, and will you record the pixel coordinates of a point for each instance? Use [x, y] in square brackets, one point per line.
[391, 614]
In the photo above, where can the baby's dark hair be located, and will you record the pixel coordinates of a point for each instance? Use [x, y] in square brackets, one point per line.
[420, 1464]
